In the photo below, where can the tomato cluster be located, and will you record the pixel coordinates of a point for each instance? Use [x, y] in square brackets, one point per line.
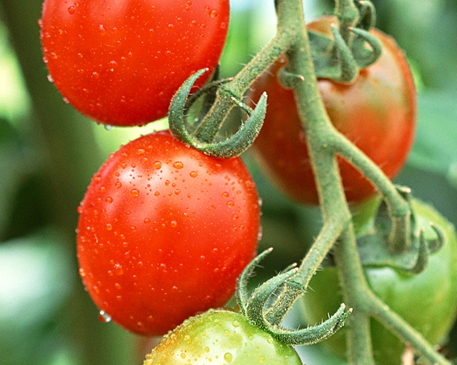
[377, 113]
[165, 231]
[120, 63]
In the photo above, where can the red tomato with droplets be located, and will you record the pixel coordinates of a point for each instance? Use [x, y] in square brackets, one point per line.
[120, 62]
[377, 113]
[164, 231]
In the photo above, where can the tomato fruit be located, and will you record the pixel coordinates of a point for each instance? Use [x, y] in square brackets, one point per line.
[120, 62]
[428, 301]
[377, 113]
[164, 231]
[220, 337]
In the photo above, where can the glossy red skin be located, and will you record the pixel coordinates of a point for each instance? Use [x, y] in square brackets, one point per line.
[164, 231]
[377, 113]
[120, 62]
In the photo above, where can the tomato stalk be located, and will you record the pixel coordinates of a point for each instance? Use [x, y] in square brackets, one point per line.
[325, 143]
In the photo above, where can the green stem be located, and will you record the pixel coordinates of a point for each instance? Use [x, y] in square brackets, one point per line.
[398, 207]
[332, 199]
[207, 130]
[403, 330]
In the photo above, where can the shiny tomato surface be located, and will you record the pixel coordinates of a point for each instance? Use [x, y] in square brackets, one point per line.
[164, 231]
[377, 113]
[120, 62]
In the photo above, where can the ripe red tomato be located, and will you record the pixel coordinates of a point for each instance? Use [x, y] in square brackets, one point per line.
[120, 62]
[164, 231]
[377, 113]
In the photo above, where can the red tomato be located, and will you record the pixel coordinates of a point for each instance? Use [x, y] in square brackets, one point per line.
[120, 62]
[164, 231]
[377, 113]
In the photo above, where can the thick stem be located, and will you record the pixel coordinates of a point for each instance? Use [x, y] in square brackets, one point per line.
[332, 199]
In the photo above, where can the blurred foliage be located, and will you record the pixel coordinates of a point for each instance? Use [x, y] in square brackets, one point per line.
[48, 153]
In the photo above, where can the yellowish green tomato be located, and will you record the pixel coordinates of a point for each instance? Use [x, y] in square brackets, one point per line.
[220, 337]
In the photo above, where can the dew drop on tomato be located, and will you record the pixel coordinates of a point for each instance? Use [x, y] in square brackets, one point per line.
[104, 317]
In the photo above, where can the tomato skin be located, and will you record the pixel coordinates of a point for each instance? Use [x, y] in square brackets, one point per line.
[427, 301]
[377, 113]
[120, 62]
[164, 231]
[219, 337]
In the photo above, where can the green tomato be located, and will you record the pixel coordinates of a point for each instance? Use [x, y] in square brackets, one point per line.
[428, 301]
[220, 337]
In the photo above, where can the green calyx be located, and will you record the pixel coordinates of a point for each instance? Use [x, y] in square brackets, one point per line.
[202, 135]
[257, 307]
[407, 250]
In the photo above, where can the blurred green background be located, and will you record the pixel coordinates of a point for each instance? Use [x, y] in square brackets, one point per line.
[48, 153]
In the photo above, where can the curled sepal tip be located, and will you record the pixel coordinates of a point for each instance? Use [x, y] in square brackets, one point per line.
[232, 146]
[313, 334]
[363, 56]
[255, 308]
[176, 113]
[243, 138]
[349, 68]
[242, 293]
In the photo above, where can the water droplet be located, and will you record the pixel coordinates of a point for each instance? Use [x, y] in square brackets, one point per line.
[66, 101]
[108, 127]
[228, 357]
[109, 200]
[225, 195]
[118, 269]
[230, 204]
[95, 75]
[109, 226]
[134, 192]
[71, 9]
[173, 224]
[193, 174]
[178, 165]
[104, 317]
[157, 165]
[82, 273]
[50, 79]
[147, 221]
[213, 13]
[118, 185]
[102, 29]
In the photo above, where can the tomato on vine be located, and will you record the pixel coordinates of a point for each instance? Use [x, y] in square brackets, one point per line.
[120, 63]
[221, 337]
[164, 231]
[377, 113]
[428, 301]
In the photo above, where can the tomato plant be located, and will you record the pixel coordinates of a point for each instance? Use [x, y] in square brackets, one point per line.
[164, 231]
[377, 113]
[121, 62]
[221, 337]
[428, 301]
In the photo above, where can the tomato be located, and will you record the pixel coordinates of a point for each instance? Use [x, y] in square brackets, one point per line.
[221, 337]
[164, 231]
[377, 113]
[428, 301]
[120, 62]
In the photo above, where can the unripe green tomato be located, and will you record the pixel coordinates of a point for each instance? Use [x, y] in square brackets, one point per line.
[220, 337]
[428, 301]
